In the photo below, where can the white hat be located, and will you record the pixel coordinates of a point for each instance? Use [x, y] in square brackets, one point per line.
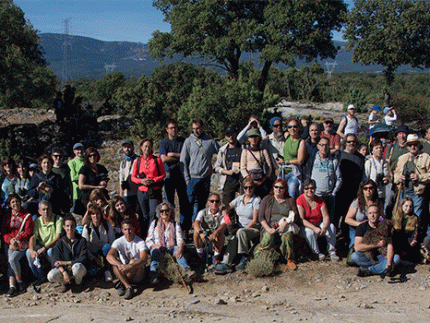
[351, 106]
[412, 138]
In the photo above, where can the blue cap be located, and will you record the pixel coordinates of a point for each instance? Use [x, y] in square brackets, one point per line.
[376, 108]
[272, 121]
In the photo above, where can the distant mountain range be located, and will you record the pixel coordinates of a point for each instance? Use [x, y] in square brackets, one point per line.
[92, 58]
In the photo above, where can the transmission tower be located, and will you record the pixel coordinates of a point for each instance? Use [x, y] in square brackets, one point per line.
[110, 68]
[330, 67]
[66, 47]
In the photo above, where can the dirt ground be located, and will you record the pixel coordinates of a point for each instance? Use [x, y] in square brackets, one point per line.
[316, 292]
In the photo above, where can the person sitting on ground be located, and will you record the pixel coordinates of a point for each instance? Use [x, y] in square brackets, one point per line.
[97, 198]
[367, 266]
[16, 230]
[46, 232]
[316, 221]
[128, 256]
[20, 184]
[405, 235]
[246, 206]
[275, 229]
[100, 236]
[70, 255]
[209, 226]
[118, 212]
[165, 235]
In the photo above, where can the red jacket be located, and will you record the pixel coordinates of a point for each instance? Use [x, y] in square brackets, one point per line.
[12, 223]
[151, 170]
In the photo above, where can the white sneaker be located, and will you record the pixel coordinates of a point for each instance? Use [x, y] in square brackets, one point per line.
[108, 276]
[334, 257]
[321, 256]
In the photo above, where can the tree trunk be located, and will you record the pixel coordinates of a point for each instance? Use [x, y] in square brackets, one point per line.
[264, 75]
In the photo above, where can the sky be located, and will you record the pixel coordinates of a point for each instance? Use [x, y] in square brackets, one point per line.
[107, 20]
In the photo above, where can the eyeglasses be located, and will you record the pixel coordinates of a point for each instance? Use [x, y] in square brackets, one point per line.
[56, 156]
[279, 187]
[413, 144]
[367, 188]
[248, 187]
[277, 125]
[164, 210]
[293, 126]
[214, 201]
[323, 145]
[351, 142]
[309, 188]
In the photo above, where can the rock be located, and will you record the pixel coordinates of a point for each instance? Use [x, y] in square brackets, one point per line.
[195, 301]
[256, 294]
[365, 306]
[104, 294]
[128, 319]
[265, 288]
[36, 297]
[220, 301]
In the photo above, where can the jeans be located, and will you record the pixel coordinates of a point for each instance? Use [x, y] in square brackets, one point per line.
[38, 272]
[376, 269]
[78, 272]
[311, 238]
[155, 258]
[131, 201]
[418, 203]
[147, 203]
[176, 182]
[198, 193]
[293, 185]
[329, 201]
[13, 257]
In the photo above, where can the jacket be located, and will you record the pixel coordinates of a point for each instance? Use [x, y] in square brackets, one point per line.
[421, 167]
[75, 251]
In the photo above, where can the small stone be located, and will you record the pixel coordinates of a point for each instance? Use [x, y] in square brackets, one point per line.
[104, 294]
[220, 301]
[365, 306]
[256, 294]
[195, 301]
[422, 288]
[36, 297]
[265, 288]
[128, 319]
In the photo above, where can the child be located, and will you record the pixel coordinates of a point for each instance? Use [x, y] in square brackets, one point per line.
[405, 233]
[75, 166]
[373, 118]
[390, 116]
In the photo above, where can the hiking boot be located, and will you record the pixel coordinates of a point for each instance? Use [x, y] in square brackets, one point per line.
[128, 293]
[222, 269]
[21, 288]
[121, 290]
[108, 276]
[321, 256]
[64, 288]
[216, 260]
[154, 278]
[242, 263]
[363, 272]
[292, 264]
[334, 257]
[190, 274]
[12, 292]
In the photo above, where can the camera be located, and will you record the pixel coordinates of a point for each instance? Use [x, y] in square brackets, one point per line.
[125, 185]
[379, 179]
[141, 175]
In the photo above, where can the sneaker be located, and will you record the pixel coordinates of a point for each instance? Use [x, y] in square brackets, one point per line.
[12, 292]
[108, 276]
[363, 272]
[242, 263]
[154, 278]
[292, 264]
[121, 290]
[222, 269]
[216, 260]
[190, 274]
[128, 293]
[334, 257]
[21, 288]
[64, 288]
[321, 256]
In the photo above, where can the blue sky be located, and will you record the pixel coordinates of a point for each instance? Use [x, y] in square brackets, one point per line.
[108, 20]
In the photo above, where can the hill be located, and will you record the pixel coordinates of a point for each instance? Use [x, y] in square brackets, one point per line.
[89, 56]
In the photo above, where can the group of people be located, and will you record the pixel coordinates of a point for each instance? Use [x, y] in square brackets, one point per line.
[310, 181]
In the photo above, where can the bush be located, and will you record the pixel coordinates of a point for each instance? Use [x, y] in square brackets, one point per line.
[263, 264]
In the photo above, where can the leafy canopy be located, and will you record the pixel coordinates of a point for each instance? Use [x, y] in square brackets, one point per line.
[221, 30]
[390, 32]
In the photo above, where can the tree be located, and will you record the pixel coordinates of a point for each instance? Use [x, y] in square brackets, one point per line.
[24, 78]
[221, 30]
[105, 89]
[390, 33]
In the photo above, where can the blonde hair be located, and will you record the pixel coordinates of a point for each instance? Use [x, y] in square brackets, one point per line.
[399, 215]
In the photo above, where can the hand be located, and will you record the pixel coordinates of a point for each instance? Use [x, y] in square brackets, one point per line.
[228, 172]
[40, 251]
[381, 243]
[66, 277]
[271, 230]
[33, 254]
[58, 263]
[103, 184]
[178, 253]
[41, 186]
[202, 236]
[155, 246]
[212, 237]
[187, 182]
[414, 177]
[146, 181]
[124, 268]
[402, 178]
[318, 231]
[414, 243]
[323, 231]
[282, 227]
[385, 180]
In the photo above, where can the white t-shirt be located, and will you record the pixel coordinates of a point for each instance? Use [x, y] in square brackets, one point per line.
[373, 117]
[129, 250]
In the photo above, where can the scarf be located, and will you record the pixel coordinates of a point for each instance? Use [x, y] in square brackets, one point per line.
[131, 158]
[171, 239]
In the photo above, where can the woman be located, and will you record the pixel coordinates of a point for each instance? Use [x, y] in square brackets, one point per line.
[316, 221]
[46, 185]
[118, 212]
[16, 230]
[21, 183]
[92, 175]
[357, 213]
[99, 235]
[70, 254]
[165, 235]
[246, 206]
[378, 169]
[405, 235]
[294, 153]
[7, 174]
[97, 198]
[273, 209]
[148, 172]
[256, 162]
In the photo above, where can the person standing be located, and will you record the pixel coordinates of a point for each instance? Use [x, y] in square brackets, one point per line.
[62, 169]
[196, 156]
[274, 144]
[399, 147]
[228, 166]
[128, 189]
[170, 153]
[75, 166]
[332, 136]
[349, 123]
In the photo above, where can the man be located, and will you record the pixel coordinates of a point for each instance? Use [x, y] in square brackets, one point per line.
[170, 153]
[62, 169]
[351, 164]
[333, 137]
[275, 144]
[196, 156]
[399, 147]
[128, 189]
[413, 172]
[349, 123]
[313, 140]
[228, 166]
[367, 267]
[128, 256]
[75, 165]
[46, 232]
[209, 226]
[426, 143]
[325, 171]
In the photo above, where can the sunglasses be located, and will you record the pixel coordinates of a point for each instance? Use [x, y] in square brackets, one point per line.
[367, 188]
[277, 125]
[293, 126]
[214, 201]
[309, 188]
[248, 187]
[56, 156]
[413, 144]
[92, 155]
[351, 142]
[279, 187]
[164, 210]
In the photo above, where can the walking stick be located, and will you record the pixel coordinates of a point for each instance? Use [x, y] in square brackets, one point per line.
[179, 272]
[399, 191]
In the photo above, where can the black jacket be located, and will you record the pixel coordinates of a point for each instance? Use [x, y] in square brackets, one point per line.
[65, 250]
